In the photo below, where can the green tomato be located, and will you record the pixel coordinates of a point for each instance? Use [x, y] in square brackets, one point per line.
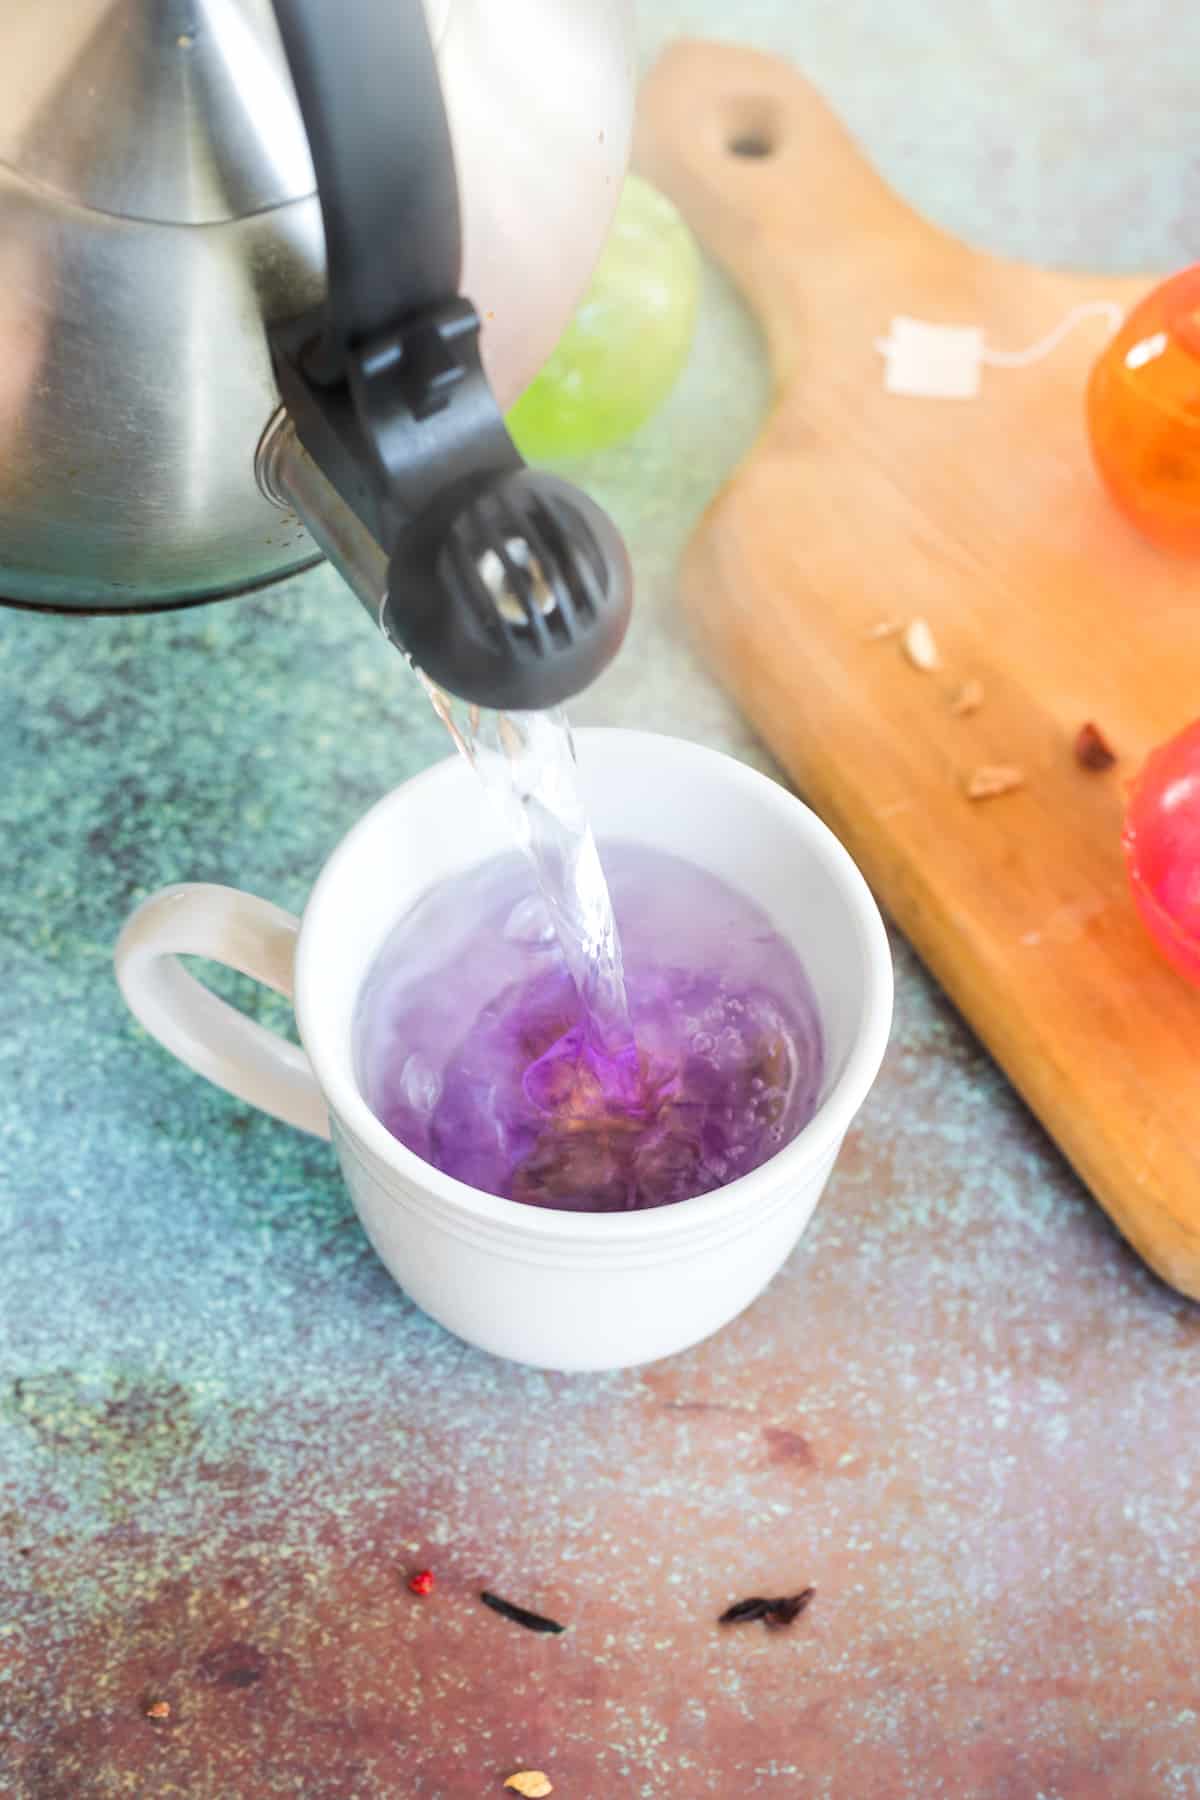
[621, 354]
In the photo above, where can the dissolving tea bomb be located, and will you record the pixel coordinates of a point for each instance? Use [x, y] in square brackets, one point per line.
[1143, 411]
[475, 1050]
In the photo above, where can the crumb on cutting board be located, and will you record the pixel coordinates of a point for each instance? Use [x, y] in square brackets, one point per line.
[1092, 748]
[919, 646]
[992, 779]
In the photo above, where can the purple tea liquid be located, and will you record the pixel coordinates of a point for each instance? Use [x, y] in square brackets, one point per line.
[476, 1049]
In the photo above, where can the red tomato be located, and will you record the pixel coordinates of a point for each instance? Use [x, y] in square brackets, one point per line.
[1161, 841]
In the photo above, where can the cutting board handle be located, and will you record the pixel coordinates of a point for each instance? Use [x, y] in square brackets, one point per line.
[983, 518]
[759, 163]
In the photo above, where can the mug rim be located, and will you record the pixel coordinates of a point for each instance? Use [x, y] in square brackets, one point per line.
[821, 1134]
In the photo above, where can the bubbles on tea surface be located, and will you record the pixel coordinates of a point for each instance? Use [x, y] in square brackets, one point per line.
[581, 1130]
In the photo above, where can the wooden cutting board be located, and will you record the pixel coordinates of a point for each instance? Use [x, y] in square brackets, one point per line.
[983, 517]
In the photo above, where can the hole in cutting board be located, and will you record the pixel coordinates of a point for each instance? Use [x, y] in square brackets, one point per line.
[751, 144]
[751, 126]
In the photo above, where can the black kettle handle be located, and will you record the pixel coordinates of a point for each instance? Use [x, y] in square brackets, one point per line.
[507, 587]
[367, 83]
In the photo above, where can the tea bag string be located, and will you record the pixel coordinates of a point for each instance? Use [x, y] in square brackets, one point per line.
[1032, 353]
[946, 362]
[1087, 309]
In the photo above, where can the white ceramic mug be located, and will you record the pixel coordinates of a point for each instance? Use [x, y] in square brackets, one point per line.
[556, 1289]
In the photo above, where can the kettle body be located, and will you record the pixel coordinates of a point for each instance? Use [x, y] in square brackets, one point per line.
[158, 211]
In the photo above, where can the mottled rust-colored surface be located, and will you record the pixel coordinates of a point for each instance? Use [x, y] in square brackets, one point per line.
[963, 1412]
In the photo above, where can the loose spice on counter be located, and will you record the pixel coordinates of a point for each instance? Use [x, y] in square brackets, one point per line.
[520, 1615]
[744, 1609]
[531, 1784]
[774, 1612]
[1092, 750]
[782, 1612]
[421, 1582]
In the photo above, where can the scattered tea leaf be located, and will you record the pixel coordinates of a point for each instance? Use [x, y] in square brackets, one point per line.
[755, 1608]
[782, 1612]
[520, 1615]
[1092, 749]
[775, 1612]
[992, 779]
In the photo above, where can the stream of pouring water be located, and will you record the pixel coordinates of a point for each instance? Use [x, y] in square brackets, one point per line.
[526, 762]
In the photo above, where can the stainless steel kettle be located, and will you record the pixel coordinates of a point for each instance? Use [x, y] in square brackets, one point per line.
[206, 205]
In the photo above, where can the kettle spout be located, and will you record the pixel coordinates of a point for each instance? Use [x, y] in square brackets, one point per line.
[513, 591]
[291, 480]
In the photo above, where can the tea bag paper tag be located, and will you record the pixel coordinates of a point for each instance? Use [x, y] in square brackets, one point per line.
[942, 362]
[945, 362]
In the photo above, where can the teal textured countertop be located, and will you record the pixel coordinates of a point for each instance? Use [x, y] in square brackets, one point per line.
[964, 1412]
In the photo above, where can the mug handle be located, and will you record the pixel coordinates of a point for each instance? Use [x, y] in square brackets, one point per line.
[203, 1031]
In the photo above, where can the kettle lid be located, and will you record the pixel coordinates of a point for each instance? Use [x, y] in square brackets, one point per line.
[181, 113]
